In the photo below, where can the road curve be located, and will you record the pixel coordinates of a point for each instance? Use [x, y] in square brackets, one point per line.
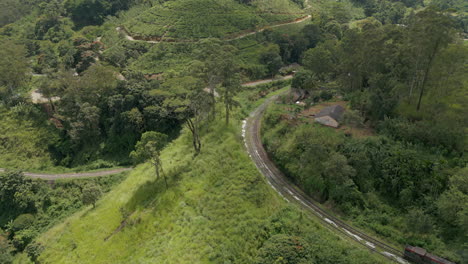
[281, 184]
[46, 176]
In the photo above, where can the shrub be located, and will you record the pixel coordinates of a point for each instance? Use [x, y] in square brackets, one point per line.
[91, 193]
[353, 118]
[326, 95]
[34, 250]
[22, 222]
[284, 249]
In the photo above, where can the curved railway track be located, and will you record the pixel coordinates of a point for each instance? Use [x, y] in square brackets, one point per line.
[290, 192]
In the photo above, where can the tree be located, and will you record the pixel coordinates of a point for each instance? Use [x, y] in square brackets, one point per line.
[337, 175]
[272, 59]
[230, 87]
[230, 79]
[13, 69]
[91, 194]
[185, 100]
[16, 193]
[429, 33]
[149, 148]
[304, 82]
[452, 205]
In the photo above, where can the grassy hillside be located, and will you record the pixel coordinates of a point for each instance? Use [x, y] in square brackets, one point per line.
[218, 209]
[200, 18]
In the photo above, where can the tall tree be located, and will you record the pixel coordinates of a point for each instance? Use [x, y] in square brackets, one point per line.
[149, 148]
[429, 33]
[13, 69]
[231, 86]
[186, 100]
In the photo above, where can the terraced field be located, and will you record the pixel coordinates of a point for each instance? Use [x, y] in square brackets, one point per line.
[193, 19]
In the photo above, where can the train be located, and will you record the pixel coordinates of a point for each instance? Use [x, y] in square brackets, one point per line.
[421, 256]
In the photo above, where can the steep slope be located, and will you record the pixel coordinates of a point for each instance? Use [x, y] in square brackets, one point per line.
[218, 209]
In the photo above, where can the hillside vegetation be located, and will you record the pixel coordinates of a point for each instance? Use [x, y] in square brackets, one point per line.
[201, 19]
[217, 209]
[405, 179]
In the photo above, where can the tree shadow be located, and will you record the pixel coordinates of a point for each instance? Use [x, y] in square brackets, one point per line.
[148, 192]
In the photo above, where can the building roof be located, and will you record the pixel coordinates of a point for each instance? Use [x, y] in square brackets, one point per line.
[334, 111]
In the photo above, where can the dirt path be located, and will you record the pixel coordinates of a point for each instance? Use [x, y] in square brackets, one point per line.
[291, 193]
[129, 37]
[300, 20]
[258, 82]
[38, 98]
[46, 176]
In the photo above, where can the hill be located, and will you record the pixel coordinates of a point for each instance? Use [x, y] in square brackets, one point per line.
[217, 209]
[187, 19]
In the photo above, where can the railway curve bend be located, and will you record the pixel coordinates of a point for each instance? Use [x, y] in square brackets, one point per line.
[291, 193]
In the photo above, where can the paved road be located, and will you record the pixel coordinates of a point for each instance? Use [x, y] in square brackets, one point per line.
[46, 176]
[290, 192]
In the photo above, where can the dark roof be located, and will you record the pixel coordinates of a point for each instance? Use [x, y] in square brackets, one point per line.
[334, 111]
[417, 250]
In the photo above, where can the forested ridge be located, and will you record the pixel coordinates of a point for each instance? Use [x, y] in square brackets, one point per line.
[77, 94]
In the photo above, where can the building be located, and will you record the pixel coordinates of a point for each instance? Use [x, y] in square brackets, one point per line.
[330, 116]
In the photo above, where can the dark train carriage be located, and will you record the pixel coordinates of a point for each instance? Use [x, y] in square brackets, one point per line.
[420, 255]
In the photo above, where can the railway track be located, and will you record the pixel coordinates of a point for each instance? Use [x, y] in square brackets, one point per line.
[291, 193]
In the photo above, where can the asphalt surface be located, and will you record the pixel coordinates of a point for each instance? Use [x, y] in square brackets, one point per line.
[46, 176]
[291, 193]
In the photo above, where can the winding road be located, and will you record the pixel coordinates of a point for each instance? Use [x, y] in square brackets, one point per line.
[281, 184]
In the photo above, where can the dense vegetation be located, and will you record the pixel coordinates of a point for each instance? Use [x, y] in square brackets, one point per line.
[29, 207]
[409, 85]
[201, 19]
[108, 99]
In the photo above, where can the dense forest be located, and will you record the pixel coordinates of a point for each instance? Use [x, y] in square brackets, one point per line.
[408, 84]
[94, 84]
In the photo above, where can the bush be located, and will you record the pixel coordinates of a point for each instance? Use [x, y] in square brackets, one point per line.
[353, 118]
[34, 250]
[326, 95]
[22, 222]
[284, 249]
[91, 193]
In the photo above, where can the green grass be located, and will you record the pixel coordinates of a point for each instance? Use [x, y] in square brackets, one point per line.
[187, 19]
[218, 209]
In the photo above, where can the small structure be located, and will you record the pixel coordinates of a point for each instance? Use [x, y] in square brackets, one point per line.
[330, 116]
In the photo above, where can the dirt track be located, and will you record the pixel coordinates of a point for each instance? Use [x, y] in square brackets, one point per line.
[46, 176]
[129, 37]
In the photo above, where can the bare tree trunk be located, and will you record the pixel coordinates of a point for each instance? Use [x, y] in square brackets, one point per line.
[195, 135]
[227, 114]
[426, 74]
